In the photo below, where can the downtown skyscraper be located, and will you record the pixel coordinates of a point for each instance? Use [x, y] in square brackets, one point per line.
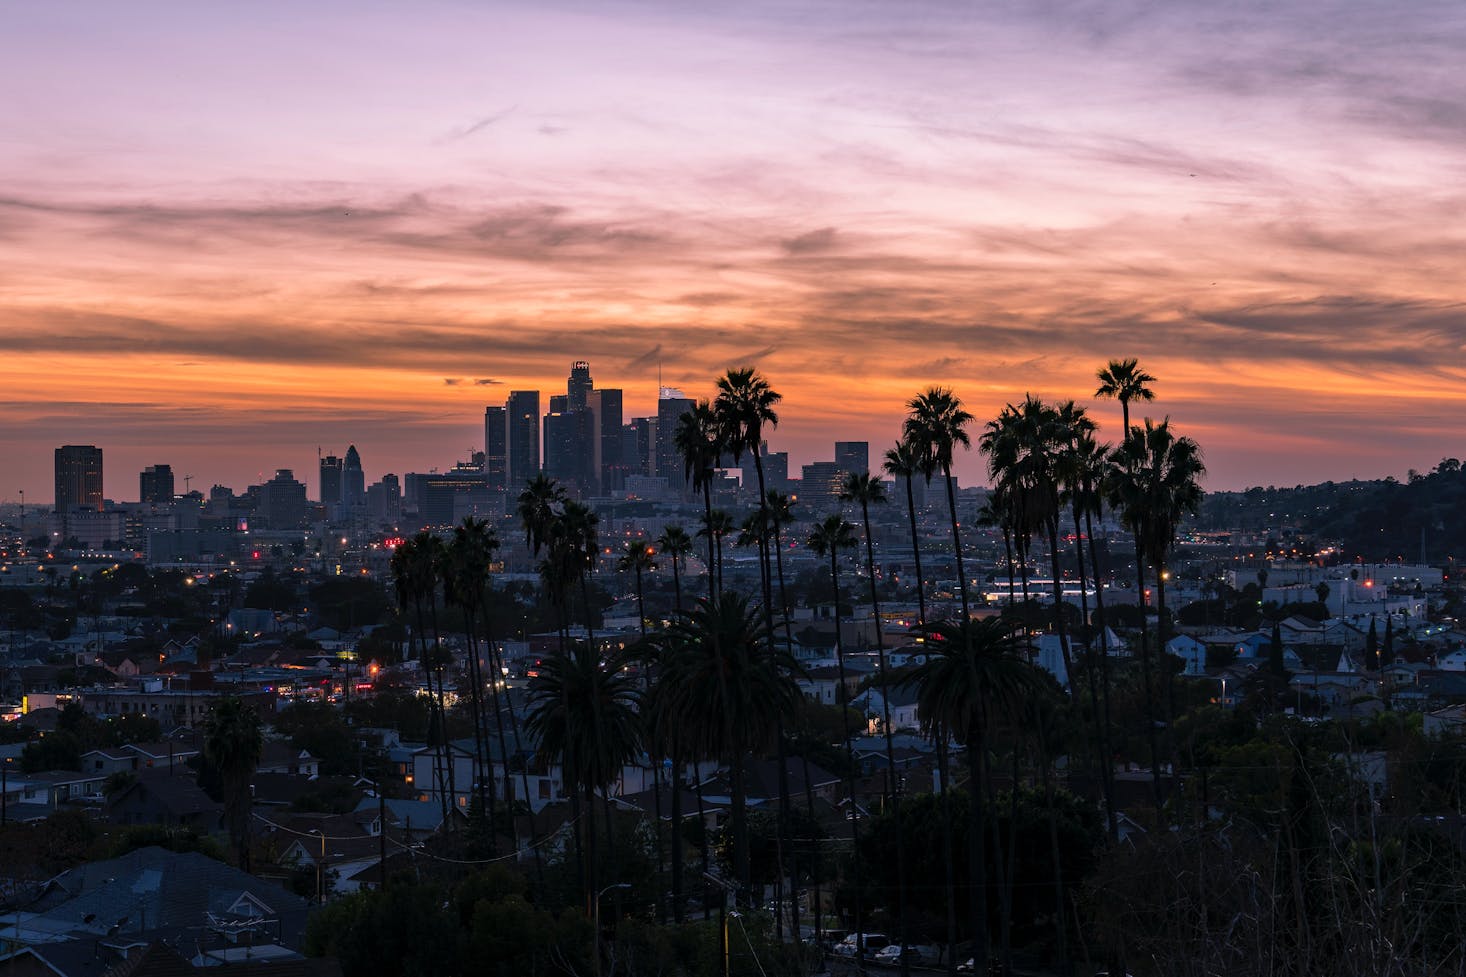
[78, 477]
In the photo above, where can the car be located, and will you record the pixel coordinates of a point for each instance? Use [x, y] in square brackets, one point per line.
[867, 942]
[966, 968]
[893, 954]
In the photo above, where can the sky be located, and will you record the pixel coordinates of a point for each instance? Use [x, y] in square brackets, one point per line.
[233, 233]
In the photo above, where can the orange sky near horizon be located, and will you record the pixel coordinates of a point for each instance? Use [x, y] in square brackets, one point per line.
[225, 244]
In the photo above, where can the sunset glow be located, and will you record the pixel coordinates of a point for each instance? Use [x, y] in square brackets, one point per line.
[232, 233]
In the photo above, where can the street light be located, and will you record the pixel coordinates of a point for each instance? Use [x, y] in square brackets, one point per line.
[597, 920]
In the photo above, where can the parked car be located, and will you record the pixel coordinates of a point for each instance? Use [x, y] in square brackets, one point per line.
[893, 954]
[966, 968]
[868, 943]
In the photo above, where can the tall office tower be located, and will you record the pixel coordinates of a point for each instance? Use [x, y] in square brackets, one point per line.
[636, 445]
[78, 477]
[331, 487]
[523, 436]
[282, 500]
[569, 449]
[579, 386]
[155, 484]
[821, 483]
[496, 449]
[671, 404]
[776, 472]
[353, 480]
[384, 500]
[852, 457]
[609, 457]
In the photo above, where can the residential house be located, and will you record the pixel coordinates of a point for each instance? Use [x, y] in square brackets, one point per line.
[1190, 651]
[170, 800]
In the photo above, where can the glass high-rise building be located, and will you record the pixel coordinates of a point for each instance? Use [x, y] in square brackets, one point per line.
[671, 404]
[852, 457]
[78, 477]
[523, 427]
[155, 484]
[331, 483]
[496, 448]
[353, 479]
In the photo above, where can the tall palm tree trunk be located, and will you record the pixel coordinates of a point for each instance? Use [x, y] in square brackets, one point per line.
[707, 506]
[1091, 672]
[1060, 628]
[854, 814]
[944, 772]
[786, 807]
[1108, 770]
[1149, 687]
[893, 792]
[1061, 915]
[448, 759]
[916, 551]
[957, 542]
[976, 855]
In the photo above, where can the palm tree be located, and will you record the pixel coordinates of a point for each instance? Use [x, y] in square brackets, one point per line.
[904, 462]
[1155, 484]
[232, 746]
[415, 576]
[465, 575]
[829, 537]
[779, 508]
[1164, 475]
[638, 558]
[861, 488]
[698, 439]
[937, 423]
[1081, 470]
[540, 502]
[676, 544]
[745, 406]
[970, 677]
[716, 524]
[1125, 381]
[584, 712]
[728, 690]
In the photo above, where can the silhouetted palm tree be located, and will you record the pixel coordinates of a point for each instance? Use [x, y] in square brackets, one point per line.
[744, 407]
[675, 544]
[231, 753]
[829, 537]
[971, 676]
[415, 574]
[937, 423]
[861, 488]
[1158, 483]
[1081, 469]
[698, 439]
[638, 558]
[905, 461]
[1124, 381]
[465, 569]
[539, 503]
[728, 689]
[716, 524]
[584, 712]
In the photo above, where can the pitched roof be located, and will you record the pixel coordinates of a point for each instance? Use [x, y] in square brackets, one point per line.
[153, 889]
[176, 794]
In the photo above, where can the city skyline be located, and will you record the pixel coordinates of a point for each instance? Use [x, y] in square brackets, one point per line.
[226, 244]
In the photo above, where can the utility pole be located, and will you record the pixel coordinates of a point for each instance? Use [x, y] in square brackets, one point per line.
[381, 825]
